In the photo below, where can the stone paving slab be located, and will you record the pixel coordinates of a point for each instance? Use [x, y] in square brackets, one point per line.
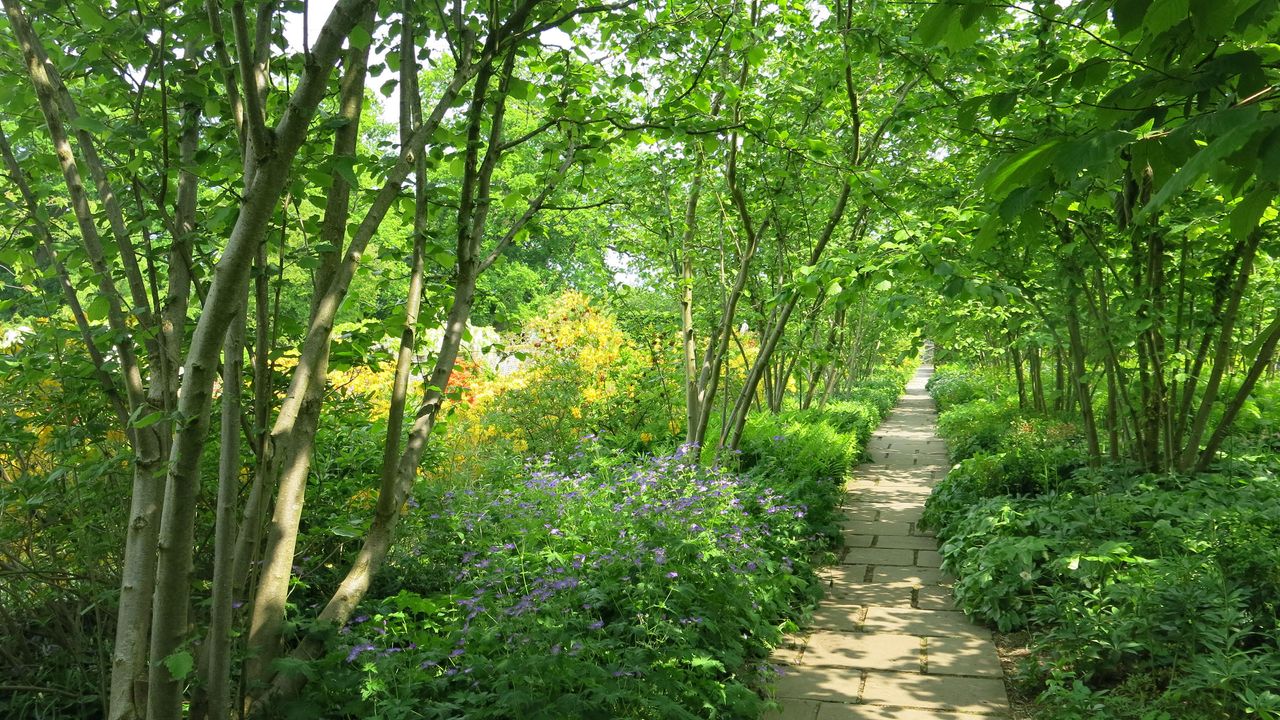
[962, 656]
[858, 541]
[911, 621]
[909, 515]
[840, 613]
[914, 575]
[879, 556]
[879, 528]
[910, 542]
[934, 598]
[865, 652]
[928, 558]
[819, 683]
[891, 594]
[833, 711]
[844, 574]
[886, 642]
[973, 695]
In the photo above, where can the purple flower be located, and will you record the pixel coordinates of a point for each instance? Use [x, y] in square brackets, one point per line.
[358, 650]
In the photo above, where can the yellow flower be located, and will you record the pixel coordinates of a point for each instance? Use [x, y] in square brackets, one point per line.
[646, 437]
[576, 412]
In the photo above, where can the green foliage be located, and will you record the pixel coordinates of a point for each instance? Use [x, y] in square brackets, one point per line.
[952, 385]
[1149, 596]
[976, 427]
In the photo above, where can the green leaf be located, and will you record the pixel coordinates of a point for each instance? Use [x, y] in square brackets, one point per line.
[359, 37]
[97, 309]
[1021, 167]
[91, 15]
[519, 89]
[703, 662]
[1164, 14]
[180, 664]
[149, 420]
[345, 531]
[1127, 15]
[934, 23]
[1213, 17]
[1201, 162]
[1245, 216]
[1001, 104]
[89, 125]
[442, 257]
[345, 165]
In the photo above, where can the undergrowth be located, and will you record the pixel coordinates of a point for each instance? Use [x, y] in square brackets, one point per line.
[1147, 596]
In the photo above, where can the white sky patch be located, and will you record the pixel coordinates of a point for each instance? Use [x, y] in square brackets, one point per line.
[620, 264]
[940, 153]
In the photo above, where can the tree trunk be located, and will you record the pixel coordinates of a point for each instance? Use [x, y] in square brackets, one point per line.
[693, 408]
[217, 661]
[1191, 450]
[294, 443]
[1266, 352]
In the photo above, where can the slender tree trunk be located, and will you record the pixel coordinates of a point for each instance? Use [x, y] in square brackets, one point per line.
[128, 692]
[1059, 380]
[1221, 357]
[1037, 379]
[217, 662]
[1015, 358]
[737, 420]
[1270, 337]
[1222, 287]
[693, 409]
[295, 446]
[226, 293]
[472, 214]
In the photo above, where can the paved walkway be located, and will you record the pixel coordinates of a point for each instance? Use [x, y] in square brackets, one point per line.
[886, 642]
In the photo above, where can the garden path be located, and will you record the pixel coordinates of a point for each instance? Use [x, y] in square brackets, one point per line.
[886, 641]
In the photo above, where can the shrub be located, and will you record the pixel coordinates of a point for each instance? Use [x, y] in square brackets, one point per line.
[976, 427]
[953, 385]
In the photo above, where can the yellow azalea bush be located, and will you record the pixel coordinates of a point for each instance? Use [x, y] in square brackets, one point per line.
[581, 375]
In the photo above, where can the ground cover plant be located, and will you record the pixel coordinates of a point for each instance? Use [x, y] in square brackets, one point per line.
[1146, 595]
